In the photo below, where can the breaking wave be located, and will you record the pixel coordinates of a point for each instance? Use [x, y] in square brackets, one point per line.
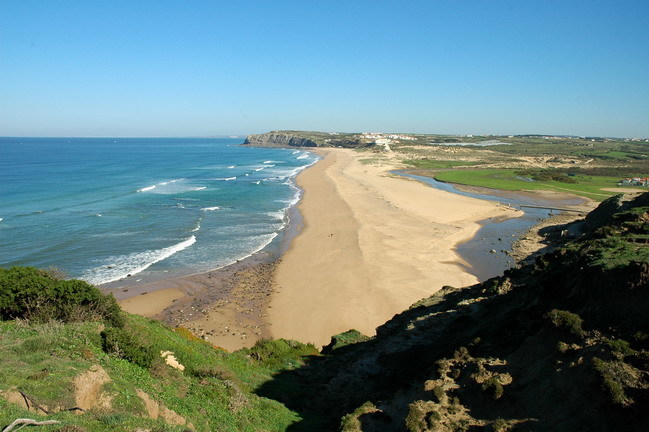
[118, 267]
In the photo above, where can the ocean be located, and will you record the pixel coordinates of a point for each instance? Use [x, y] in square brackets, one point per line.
[102, 209]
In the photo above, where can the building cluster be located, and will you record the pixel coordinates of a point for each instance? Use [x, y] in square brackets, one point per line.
[381, 138]
[635, 181]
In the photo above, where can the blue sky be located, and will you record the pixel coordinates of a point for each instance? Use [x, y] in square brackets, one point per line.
[204, 68]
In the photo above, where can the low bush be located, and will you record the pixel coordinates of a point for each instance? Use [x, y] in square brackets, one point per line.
[40, 296]
[213, 371]
[126, 344]
[493, 388]
[349, 337]
[280, 353]
[568, 320]
[610, 377]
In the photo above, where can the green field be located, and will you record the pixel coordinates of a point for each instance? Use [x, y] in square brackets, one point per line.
[587, 186]
[437, 164]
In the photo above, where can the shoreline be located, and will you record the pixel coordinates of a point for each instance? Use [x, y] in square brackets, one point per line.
[382, 244]
[226, 306]
[378, 250]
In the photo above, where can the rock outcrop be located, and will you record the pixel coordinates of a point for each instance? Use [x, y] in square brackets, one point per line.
[274, 139]
[306, 139]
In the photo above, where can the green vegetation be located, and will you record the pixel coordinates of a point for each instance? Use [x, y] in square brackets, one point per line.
[618, 244]
[587, 186]
[493, 388]
[611, 380]
[568, 320]
[44, 358]
[437, 164]
[416, 374]
[548, 175]
[349, 337]
[38, 295]
[582, 166]
[351, 422]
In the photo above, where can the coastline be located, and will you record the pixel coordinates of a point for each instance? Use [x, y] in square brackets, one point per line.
[363, 245]
[372, 245]
[369, 244]
[226, 306]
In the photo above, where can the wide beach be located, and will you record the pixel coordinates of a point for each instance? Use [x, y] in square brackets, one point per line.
[371, 244]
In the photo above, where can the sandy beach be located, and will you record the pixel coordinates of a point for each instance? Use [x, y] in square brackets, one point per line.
[372, 244]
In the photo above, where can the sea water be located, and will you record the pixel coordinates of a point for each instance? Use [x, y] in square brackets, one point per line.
[102, 209]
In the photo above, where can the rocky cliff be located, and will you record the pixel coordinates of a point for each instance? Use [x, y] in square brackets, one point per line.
[275, 139]
[306, 139]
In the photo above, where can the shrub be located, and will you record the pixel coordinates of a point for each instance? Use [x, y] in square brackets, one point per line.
[127, 345]
[568, 320]
[349, 337]
[280, 353]
[213, 371]
[352, 422]
[422, 416]
[40, 296]
[500, 425]
[493, 387]
[439, 394]
[610, 381]
[620, 346]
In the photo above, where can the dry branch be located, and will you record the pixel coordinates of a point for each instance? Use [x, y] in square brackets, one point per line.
[26, 422]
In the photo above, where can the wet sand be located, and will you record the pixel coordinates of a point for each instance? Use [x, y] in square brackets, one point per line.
[226, 307]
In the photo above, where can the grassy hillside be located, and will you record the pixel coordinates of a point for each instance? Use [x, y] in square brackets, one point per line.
[121, 383]
[558, 345]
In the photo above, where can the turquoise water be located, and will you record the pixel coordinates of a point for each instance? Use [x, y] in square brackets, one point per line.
[101, 209]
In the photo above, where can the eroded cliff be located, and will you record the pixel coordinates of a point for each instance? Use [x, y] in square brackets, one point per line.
[306, 139]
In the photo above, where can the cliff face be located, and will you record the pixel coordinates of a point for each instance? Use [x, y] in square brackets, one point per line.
[306, 139]
[275, 139]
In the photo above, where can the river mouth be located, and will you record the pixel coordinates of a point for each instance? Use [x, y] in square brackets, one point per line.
[488, 253]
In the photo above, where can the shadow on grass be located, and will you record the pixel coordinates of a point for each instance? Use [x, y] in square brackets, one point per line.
[328, 387]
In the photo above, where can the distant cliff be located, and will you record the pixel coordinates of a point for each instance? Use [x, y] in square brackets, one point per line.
[305, 139]
[275, 139]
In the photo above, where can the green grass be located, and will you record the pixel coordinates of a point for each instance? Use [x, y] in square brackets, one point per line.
[616, 154]
[437, 164]
[370, 161]
[587, 186]
[215, 392]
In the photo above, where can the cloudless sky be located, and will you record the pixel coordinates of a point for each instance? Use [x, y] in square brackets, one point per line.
[210, 67]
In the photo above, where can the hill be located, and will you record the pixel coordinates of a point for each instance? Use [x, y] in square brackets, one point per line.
[561, 344]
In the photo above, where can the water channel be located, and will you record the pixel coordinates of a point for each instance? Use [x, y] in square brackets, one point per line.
[497, 234]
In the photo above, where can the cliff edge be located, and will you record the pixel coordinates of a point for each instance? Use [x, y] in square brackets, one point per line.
[306, 139]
